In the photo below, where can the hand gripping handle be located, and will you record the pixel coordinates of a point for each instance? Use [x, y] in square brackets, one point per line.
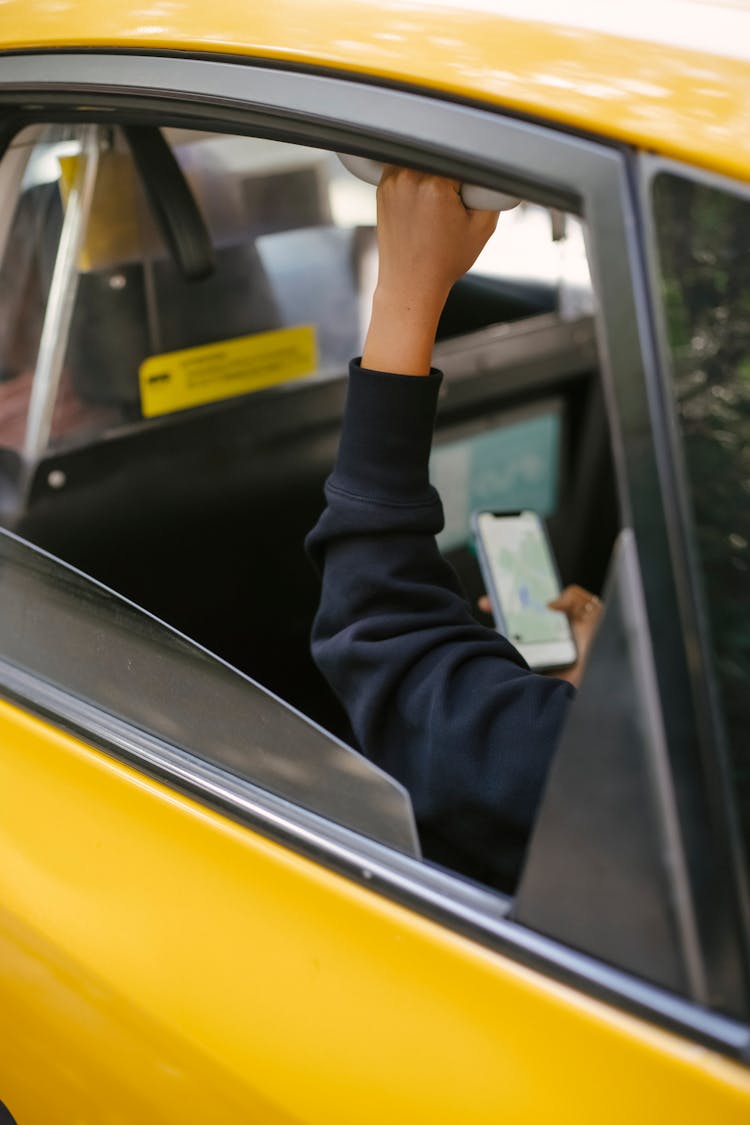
[474, 197]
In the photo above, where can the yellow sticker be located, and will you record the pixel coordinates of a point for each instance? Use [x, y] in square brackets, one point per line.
[194, 376]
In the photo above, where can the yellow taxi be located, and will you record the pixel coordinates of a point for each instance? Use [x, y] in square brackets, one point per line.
[212, 908]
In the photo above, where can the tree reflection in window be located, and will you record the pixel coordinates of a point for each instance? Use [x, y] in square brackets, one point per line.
[703, 239]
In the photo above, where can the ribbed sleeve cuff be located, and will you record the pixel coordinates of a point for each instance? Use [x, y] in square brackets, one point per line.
[387, 434]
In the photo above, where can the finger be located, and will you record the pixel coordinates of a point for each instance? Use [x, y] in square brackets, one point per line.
[389, 171]
[484, 220]
[448, 187]
[571, 597]
[485, 604]
[395, 174]
[565, 600]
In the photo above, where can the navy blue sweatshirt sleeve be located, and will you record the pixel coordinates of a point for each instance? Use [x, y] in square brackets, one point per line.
[444, 704]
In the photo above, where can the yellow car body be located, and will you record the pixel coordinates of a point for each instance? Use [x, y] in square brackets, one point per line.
[160, 960]
[671, 79]
[297, 997]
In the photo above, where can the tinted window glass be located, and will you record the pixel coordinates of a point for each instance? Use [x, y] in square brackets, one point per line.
[704, 251]
[76, 649]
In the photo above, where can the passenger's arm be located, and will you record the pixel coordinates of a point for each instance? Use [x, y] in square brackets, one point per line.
[439, 701]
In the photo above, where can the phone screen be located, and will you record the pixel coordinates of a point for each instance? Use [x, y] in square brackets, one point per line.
[520, 570]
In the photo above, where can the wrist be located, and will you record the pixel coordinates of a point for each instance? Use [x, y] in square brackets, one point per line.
[401, 334]
[413, 305]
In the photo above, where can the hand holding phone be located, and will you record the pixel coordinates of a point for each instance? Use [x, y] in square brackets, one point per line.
[521, 578]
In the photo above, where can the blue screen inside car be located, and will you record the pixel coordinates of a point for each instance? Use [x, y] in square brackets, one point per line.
[508, 467]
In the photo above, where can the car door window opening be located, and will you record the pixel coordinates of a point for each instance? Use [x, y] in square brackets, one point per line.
[128, 289]
[279, 216]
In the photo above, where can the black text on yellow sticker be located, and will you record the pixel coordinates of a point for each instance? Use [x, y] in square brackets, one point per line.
[194, 376]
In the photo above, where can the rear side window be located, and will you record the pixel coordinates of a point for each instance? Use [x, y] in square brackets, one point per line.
[703, 236]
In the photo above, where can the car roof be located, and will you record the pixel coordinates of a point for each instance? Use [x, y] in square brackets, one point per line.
[672, 76]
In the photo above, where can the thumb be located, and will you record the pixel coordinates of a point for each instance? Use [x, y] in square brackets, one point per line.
[569, 599]
[563, 601]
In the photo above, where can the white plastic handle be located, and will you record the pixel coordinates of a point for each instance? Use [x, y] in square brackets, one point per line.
[476, 198]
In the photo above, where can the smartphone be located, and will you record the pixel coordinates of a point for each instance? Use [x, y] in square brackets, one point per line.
[521, 578]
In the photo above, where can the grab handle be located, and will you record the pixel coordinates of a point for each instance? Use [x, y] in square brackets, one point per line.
[474, 197]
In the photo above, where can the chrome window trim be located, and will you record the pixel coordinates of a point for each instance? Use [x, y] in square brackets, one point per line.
[546, 165]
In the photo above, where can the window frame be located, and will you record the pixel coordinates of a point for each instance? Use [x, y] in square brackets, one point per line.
[562, 169]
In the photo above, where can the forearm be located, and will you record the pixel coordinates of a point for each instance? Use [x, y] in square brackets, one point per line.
[426, 241]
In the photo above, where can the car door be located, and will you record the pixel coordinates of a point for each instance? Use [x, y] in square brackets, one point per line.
[197, 925]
